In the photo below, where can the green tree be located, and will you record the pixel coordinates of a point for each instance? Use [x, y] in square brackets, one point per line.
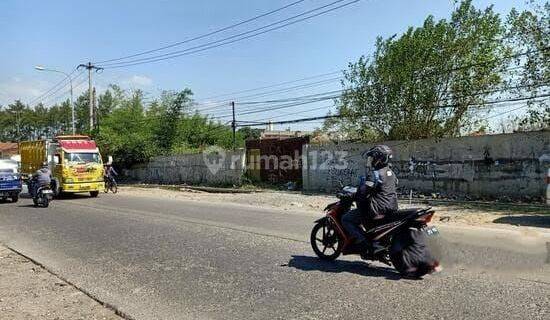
[167, 115]
[529, 31]
[249, 133]
[126, 133]
[423, 83]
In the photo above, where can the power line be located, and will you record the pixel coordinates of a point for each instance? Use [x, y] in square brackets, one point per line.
[279, 107]
[223, 42]
[290, 121]
[51, 93]
[293, 113]
[427, 75]
[269, 93]
[78, 85]
[273, 85]
[340, 116]
[204, 35]
[40, 97]
[319, 97]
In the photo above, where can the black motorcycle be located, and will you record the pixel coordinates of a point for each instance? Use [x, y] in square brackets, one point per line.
[42, 196]
[403, 236]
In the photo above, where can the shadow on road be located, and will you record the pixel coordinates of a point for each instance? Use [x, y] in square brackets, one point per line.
[26, 206]
[541, 221]
[70, 196]
[356, 267]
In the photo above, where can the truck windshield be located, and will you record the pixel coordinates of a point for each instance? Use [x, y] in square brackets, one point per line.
[82, 157]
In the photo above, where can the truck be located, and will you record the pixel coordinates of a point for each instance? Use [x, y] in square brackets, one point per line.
[10, 180]
[74, 160]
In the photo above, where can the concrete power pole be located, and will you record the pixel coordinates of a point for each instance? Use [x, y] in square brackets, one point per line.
[90, 67]
[234, 126]
[94, 108]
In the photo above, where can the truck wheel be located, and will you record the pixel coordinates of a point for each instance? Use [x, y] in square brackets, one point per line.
[15, 198]
[94, 194]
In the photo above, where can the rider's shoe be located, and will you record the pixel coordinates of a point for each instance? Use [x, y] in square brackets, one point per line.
[360, 247]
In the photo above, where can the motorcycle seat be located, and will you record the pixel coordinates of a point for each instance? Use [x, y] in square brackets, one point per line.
[398, 215]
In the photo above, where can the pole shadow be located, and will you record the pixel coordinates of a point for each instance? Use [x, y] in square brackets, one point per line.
[361, 268]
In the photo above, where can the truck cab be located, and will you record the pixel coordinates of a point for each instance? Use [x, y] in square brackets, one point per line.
[75, 163]
[10, 180]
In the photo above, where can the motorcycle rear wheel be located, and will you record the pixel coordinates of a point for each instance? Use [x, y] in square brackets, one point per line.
[326, 245]
[45, 201]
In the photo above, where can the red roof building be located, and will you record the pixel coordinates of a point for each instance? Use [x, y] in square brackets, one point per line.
[8, 149]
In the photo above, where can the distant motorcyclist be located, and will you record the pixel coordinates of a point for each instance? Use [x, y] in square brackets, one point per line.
[376, 196]
[41, 178]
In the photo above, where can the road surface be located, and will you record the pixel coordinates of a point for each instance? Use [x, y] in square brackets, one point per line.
[173, 259]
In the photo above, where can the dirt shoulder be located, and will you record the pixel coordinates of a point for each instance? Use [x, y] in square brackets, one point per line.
[28, 291]
[498, 215]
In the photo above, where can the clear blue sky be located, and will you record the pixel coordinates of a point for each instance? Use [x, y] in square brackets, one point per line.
[62, 34]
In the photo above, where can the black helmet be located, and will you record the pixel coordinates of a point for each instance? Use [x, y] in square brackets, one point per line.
[380, 154]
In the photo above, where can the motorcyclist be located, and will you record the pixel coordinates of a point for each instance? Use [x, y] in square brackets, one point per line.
[41, 178]
[376, 196]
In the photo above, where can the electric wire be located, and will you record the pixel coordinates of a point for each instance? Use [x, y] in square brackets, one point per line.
[223, 42]
[204, 35]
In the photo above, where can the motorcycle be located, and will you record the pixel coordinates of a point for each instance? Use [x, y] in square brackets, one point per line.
[42, 196]
[110, 184]
[402, 237]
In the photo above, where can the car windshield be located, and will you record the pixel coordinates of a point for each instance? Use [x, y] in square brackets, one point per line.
[82, 157]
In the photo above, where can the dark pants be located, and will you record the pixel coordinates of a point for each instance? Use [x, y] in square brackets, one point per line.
[35, 185]
[352, 223]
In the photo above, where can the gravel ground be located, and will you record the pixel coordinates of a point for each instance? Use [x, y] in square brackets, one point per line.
[497, 215]
[27, 291]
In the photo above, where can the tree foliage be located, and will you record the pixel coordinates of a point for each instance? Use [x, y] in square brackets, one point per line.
[415, 85]
[129, 129]
[529, 31]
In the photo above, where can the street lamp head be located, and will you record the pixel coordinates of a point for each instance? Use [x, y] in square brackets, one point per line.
[41, 68]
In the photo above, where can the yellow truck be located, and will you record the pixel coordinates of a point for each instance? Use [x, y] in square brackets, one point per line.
[75, 163]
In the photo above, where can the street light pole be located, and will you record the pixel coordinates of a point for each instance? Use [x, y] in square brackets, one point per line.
[40, 68]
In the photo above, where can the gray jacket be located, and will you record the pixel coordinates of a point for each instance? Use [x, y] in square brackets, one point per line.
[43, 176]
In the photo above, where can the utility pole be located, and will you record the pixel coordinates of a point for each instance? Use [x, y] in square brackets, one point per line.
[90, 67]
[234, 126]
[94, 108]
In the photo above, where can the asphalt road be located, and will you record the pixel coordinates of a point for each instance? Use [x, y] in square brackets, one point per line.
[172, 259]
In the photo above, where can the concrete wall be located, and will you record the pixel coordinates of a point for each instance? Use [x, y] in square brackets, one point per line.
[225, 168]
[510, 165]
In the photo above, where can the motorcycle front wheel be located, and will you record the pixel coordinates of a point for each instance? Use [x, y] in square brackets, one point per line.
[325, 241]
